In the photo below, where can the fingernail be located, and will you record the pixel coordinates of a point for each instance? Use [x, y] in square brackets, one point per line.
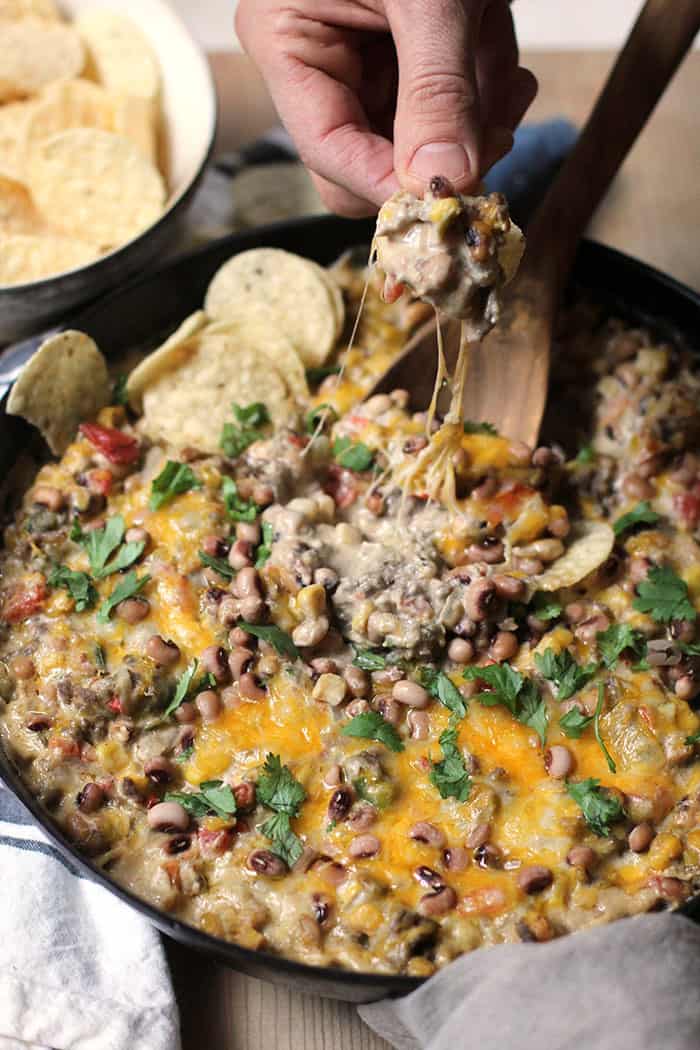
[448, 159]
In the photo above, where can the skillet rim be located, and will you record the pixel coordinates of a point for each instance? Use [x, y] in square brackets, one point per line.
[323, 237]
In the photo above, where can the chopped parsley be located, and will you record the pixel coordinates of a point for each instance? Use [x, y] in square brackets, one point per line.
[100, 658]
[533, 710]
[182, 689]
[370, 725]
[600, 808]
[479, 428]
[613, 642]
[265, 548]
[585, 455]
[214, 796]
[219, 565]
[236, 437]
[127, 588]
[450, 775]
[520, 695]
[279, 790]
[78, 584]
[574, 723]
[564, 672]
[352, 455]
[323, 414]
[642, 514]
[276, 637]
[317, 375]
[545, 607]
[596, 728]
[664, 596]
[100, 544]
[689, 648]
[694, 738]
[368, 660]
[119, 394]
[185, 755]
[237, 508]
[443, 689]
[174, 479]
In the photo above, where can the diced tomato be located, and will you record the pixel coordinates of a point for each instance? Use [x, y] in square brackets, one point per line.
[115, 704]
[508, 503]
[24, 601]
[341, 485]
[487, 900]
[687, 507]
[392, 290]
[68, 747]
[117, 446]
[299, 440]
[214, 843]
[100, 481]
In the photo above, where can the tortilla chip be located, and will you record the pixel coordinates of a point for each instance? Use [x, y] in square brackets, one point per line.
[34, 52]
[267, 193]
[65, 382]
[95, 185]
[282, 290]
[17, 211]
[164, 358]
[69, 104]
[511, 252]
[16, 9]
[189, 405]
[137, 120]
[589, 546]
[29, 257]
[119, 54]
[13, 118]
[251, 332]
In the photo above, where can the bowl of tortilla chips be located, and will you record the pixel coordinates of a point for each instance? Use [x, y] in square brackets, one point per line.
[107, 120]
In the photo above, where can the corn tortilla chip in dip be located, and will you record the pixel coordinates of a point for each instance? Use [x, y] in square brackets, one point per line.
[589, 545]
[65, 382]
[33, 52]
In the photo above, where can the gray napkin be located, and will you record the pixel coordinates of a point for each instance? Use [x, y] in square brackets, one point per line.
[628, 986]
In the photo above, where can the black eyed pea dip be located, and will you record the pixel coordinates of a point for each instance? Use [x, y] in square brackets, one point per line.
[312, 710]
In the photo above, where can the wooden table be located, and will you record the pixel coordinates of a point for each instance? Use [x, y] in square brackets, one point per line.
[652, 211]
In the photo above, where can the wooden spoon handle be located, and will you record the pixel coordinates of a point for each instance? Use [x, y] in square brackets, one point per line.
[663, 33]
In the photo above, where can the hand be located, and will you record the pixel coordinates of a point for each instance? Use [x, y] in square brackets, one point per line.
[382, 94]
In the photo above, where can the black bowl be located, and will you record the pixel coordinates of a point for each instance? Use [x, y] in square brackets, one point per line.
[139, 315]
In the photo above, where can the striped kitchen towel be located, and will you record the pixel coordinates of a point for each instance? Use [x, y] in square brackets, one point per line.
[79, 970]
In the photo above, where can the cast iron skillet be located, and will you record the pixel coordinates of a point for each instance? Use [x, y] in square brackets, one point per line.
[149, 308]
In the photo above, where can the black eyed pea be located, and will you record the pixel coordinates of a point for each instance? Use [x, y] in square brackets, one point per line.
[544, 550]
[213, 660]
[460, 651]
[364, 846]
[357, 707]
[455, 858]
[228, 611]
[340, 803]
[640, 837]
[22, 667]
[558, 761]
[326, 578]
[249, 532]
[252, 609]
[534, 878]
[239, 660]
[418, 724]
[265, 862]
[582, 857]
[333, 776]
[137, 535]
[168, 816]
[504, 646]
[209, 705]
[247, 583]
[311, 632]
[241, 554]
[479, 598]
[159, 769]
[90, 798]
[389, 710]
[432, 905]
[510, 587]
[381, 624]
[239, 637]
[362, 816]
[330, 689]
[163, 652]
[186, 713]
[249, 687]
[430, 834]
[48, 496]
[133, 610]
[411, 694]
[490, 550]
[323, 665]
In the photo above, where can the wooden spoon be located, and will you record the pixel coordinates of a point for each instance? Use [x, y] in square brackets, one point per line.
[508, 371]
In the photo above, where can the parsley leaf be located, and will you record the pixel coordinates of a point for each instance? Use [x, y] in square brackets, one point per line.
[664, 596]
[238, 509]
[278, 788]
[596, 728]
[184, 685]
[236, 439]
[100, 658]
[642, 514]
[265, 548]
[174, 479]
[479, 428]
[574, 722]
[371, 726]
[214, 796]
[443, 689]
[315, 375]
[219, 565]
[101, 543]
[253, 415]
[689, 648]
[78, 584]
[545, 607]
[323, 414]
[279, 641]
[128, 587]
[533, 710]
[562, 669]
[599, 807]
[285, 844]
[185, 755]
[694, 738]
[615, 639]
[585, 455]
[368, 660]
[352, 455]
[119, 394]
[505, 685]
[450, 776]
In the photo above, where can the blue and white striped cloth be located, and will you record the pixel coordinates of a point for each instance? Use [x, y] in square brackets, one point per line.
[79, 970]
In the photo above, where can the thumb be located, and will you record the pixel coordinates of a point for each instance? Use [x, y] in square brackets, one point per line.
[437, 129]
